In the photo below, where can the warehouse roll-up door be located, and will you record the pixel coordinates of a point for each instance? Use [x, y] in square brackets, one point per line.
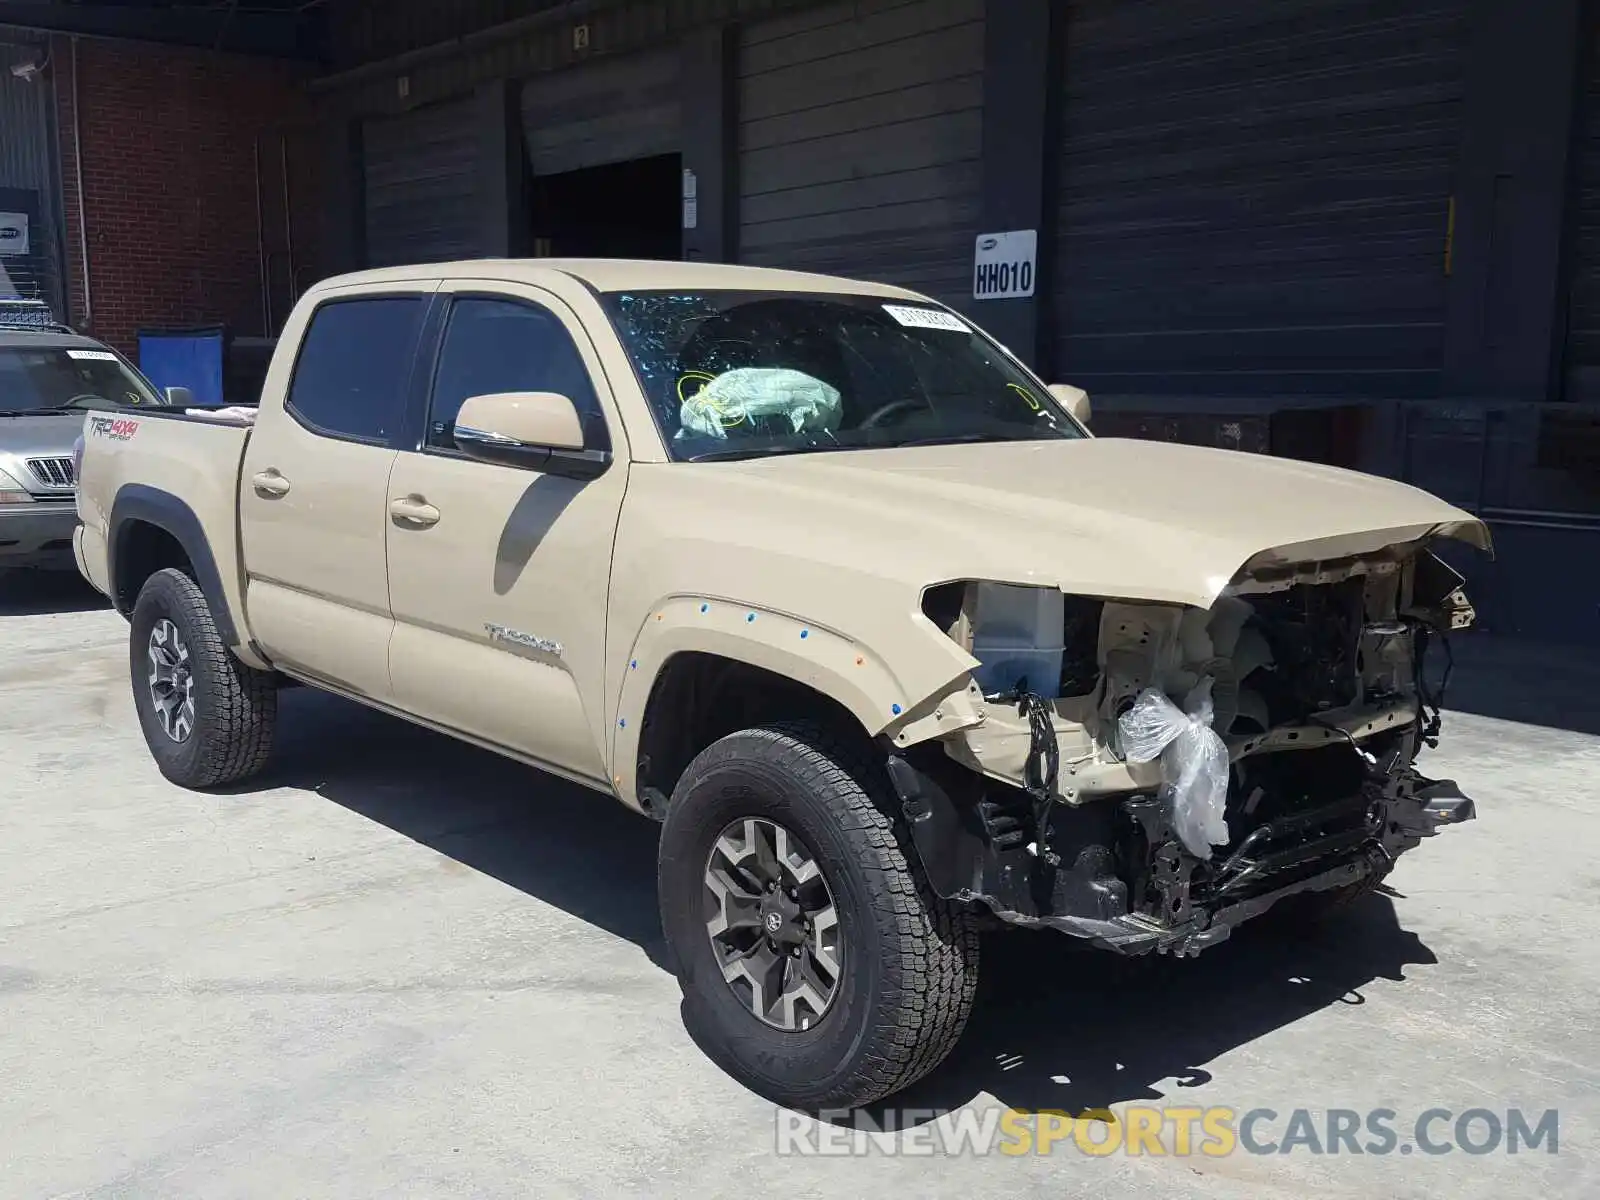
[860, 139]
[608, 111]
[30, 207]
[1583, 314]
[1255, 197]
[421, 185]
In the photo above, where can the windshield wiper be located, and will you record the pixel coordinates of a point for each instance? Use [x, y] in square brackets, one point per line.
[953, 439]
[734, 453]
[37, 412]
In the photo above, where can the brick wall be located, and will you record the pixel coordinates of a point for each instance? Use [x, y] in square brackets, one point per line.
[169, 141]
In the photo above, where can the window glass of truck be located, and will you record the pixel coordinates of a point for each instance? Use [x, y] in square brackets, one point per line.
[355, 362]
[497, 345]
[733, 374]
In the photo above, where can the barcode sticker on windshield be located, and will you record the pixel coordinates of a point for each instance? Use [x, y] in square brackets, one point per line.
[93, 355]
[926, 318]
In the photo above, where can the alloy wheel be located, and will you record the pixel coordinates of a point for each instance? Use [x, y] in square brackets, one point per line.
[171, 681]
[773, 926]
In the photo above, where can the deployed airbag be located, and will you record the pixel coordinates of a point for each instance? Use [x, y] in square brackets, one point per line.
[748, 394]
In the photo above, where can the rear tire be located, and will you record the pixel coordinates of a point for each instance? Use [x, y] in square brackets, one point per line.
[207, 717]
[908, 959]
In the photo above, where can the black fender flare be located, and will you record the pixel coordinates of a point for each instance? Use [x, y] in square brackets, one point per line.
[138, 503]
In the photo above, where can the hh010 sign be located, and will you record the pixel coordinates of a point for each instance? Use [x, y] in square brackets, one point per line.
[1004, 264]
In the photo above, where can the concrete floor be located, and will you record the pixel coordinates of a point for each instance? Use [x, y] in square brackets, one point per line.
[400, 966]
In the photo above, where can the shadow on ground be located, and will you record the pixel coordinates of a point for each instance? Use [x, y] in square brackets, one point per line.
[565, 844]
[1537, 683]
[1056, 1027]
[36, 593]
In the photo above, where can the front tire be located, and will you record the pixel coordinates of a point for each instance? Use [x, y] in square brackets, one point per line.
[207, 717]
[890, 968]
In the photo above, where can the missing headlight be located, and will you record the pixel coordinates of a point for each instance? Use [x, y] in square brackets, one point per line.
[1025, 638]
[1080, 645]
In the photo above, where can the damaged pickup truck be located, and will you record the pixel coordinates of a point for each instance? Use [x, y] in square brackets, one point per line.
[822, 578]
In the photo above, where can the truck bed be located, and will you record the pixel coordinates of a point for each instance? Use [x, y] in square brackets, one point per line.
[194, 458]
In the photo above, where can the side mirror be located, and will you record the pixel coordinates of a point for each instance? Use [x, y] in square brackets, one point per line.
[1074, 399]
[179, 397]
[539, 430]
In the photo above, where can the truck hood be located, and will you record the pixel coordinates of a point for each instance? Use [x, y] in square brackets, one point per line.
[1108, 517]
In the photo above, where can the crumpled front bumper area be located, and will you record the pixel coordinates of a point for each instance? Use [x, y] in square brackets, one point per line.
[1247, 885]
[1125, 883]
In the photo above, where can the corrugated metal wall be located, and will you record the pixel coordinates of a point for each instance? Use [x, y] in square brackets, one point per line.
[29, 179]
[542, 39]
[608, 111]
[859, 141]
[1254, 197]
[363, 30]
[421, 188]
[1583, 314]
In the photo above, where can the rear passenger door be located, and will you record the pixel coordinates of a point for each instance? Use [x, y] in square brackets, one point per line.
[314, 492]
[499, 592]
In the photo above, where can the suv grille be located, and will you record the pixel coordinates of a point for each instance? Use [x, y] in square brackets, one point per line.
[52, 472]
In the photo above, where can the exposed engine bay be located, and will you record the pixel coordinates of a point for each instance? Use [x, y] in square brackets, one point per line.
[1148, 775]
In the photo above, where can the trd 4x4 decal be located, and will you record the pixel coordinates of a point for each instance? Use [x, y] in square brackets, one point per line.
[119, 429]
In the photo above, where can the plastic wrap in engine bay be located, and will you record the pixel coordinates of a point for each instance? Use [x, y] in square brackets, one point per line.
[1319, 656]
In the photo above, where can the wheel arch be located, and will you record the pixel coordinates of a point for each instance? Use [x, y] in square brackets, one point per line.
[698, 698]
[690, 649]
[147, 525]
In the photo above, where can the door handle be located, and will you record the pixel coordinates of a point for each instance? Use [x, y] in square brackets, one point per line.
[414, 510]
[270, 483]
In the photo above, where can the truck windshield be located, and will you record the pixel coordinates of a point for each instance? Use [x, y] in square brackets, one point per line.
[48, 379]
[746, 374]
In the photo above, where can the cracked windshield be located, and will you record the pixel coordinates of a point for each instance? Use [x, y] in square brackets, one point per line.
[749, 374]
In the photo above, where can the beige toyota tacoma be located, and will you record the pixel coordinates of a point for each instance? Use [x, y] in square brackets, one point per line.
[819, 576]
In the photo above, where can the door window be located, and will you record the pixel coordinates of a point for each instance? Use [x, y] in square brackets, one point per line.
[496, 345]
[351, 378]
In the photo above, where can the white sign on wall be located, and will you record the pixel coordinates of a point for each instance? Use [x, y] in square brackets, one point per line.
[691, 199]
[1005, 264]
[13, 233]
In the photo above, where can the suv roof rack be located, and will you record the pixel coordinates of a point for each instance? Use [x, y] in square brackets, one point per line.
[17, 312]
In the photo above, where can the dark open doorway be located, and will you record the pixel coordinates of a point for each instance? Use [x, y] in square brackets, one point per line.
[621, 210]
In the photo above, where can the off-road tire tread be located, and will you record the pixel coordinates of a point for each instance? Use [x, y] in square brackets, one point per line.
[241, 713]
[938, 943]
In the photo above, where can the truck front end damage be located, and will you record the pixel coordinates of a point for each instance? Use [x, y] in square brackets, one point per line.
[1296, 706]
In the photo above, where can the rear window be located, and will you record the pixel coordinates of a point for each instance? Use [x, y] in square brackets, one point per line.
[355, 363]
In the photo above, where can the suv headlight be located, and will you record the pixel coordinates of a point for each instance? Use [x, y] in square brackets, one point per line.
[12, 492]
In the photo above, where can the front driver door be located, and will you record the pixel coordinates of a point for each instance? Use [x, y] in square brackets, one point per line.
[498, 575]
